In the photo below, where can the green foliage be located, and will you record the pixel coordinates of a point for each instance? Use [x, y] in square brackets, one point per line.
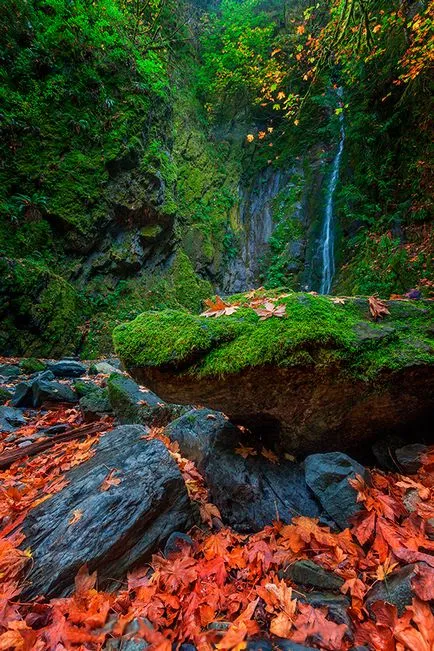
[76, 91]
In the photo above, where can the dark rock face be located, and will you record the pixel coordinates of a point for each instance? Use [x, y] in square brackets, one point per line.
[395, 590]
[306, 411]
[11, 419]
[327, 475]
[46, 391]
[250, 493]
[311, 574]
[117, 528]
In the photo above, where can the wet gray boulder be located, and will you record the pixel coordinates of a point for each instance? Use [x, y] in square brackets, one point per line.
[11, 419]
[112, 530]
[40, 389]
[66, 368]
[249, 492]
[327, 475]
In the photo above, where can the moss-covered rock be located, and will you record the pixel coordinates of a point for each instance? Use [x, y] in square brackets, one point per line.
[32, 365]
[325, 370]
[5, 395]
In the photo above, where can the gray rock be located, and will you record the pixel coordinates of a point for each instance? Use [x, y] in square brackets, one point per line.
[106, 368]
[327, 475]
[67, 368]
[95, 404]
[134, 404]
[11, 419]
[311, 574]
[250, 493]
[9, 371]
[84, 387]
[384, 451]
[23, 395]
[46, 391]
[396, 589]
[118, 527]
[409, 457]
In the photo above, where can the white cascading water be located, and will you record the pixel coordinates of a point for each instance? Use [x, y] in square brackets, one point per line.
[327, 242]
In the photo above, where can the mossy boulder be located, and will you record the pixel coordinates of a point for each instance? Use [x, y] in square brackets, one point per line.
[32, 365]
[5, 395]
[324, 377]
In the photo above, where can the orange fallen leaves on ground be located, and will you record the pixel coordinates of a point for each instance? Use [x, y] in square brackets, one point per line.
[225, 588]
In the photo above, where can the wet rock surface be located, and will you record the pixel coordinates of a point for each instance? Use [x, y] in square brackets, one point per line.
[118, 527]
[249, 492]
[327, 476]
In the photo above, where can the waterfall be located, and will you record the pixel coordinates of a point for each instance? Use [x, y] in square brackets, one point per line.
[327, 243]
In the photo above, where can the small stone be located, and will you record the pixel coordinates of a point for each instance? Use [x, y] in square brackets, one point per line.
[11, 419]
[396, 589]
[105, 368]
[67, 368]
[9, 371]
[84, 388]
[311, 574]
[176, 542]
[409, 457]
[32, 365]
[95, 404]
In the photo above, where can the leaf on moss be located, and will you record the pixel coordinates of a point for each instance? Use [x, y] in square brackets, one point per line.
[218, 308]
[377, 308]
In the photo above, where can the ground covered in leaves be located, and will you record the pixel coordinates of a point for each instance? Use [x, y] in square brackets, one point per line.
[223, 591]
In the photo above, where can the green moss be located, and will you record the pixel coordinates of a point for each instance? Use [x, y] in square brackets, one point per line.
[5, 395]
[151, 231]
[46, 310]
[32, 365]
[315, 331]
[178, 287]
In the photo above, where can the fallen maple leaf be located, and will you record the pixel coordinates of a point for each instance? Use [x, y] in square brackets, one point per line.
[218, 308]
[337, 300]
[208, 512]
[268, 454]
[77, 514]
[245, 452]
[110, 480]
[377, 308]
[423, 582]
[270, 310]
